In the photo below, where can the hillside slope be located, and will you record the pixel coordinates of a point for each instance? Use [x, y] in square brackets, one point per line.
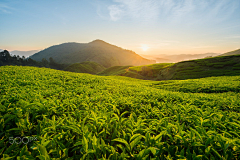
[207, 67]
[115, 70]
[141, 72]
[97, 51]
[235, 52]
[85, 67]
[81, 116]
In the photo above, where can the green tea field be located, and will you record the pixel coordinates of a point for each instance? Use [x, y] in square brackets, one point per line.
[50, 114]
[191, 69]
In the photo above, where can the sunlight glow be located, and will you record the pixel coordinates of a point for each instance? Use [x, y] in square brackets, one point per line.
[144, 47]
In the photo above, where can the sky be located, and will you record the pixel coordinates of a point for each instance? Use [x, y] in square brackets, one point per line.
[149, 27]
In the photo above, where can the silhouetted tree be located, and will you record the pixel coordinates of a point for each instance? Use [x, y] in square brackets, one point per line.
[51, 61]
[45, 62]
[5, 56]
[56, 65]
[7, 59]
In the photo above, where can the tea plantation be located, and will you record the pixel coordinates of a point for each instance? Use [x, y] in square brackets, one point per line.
[191, 69]
[50, 114]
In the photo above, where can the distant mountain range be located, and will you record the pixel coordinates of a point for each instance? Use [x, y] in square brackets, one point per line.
[235, 52]
[164, 58]
[24, 53]
[97, 51]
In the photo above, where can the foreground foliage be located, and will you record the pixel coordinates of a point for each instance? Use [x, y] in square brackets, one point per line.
[82, 116]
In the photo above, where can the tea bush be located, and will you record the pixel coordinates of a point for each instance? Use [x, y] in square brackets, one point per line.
[65, 115]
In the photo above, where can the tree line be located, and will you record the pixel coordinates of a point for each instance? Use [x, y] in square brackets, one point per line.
[7, 59]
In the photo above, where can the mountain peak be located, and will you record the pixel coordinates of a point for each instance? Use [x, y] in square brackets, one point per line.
[97, 51]
[98, 41]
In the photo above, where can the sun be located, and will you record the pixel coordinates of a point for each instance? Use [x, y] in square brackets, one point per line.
[144, 47]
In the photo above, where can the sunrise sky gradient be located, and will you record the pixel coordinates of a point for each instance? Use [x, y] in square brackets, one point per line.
[165, 26]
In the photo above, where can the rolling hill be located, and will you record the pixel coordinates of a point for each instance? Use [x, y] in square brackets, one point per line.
[96, 51]
[140, 72]
[52, 114]
[115, 70]
[235, 52]
[85, 67]
[207, 67]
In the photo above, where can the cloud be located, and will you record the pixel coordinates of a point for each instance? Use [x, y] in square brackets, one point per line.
[222, 9]
[183, 8]
[144, 9]
[173, 10]
[5, 8]
[115, 12]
